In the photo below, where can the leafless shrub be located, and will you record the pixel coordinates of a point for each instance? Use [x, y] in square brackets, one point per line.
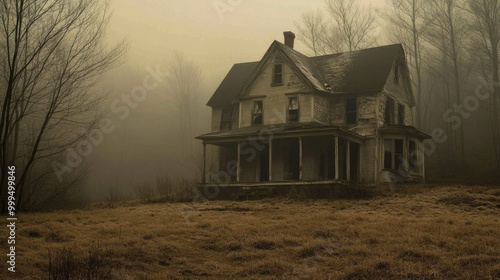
[66, 264]
[165, 189]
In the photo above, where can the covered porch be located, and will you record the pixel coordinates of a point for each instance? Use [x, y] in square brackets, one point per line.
[278, 155]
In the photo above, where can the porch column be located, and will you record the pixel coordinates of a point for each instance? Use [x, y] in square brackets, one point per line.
[300, 158]
[348, 160]
[336, 157]
[238, 166]
[270, 160]
[204, 172]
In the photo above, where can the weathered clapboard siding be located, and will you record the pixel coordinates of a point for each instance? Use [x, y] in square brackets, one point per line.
[401, 93]
[275, 98]
[367, 117]
[216, 117]
[305, 108]
[321, 109]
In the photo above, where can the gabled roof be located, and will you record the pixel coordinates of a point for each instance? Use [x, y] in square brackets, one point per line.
[349, 72]
[232, 84]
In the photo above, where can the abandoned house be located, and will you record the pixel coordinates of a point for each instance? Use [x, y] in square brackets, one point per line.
[290, 119]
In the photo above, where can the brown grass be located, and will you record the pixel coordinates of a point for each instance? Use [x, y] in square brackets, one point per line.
[412, 233]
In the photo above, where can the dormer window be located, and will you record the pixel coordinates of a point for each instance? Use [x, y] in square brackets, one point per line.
[278, 75]
[293, 109]
[257, 112]
[351, 111]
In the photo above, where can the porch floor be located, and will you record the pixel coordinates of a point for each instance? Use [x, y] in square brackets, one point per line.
[276, 183]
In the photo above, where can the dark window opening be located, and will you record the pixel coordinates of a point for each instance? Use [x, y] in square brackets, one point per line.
[257, 113]
[412, 154]
[354, 160]
[398, 153]
[342, 159]
[388, 154]
[293, 110]
[278, 74]
[396, 74]
[389, 111]
[227, 156]
[401, 114]
[225, 120]
[351, 111]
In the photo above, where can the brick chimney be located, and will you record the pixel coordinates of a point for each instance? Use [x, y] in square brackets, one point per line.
[289, 38]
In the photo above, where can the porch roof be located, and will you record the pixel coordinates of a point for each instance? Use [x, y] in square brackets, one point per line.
[404, 130]
[279, 131]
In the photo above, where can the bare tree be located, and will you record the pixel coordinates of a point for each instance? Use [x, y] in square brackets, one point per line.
[407, 25]
[447, 34]
[347, 27]
[185, 80]
[52, 53]
[353, 25]
[312, 30]
[485, 42]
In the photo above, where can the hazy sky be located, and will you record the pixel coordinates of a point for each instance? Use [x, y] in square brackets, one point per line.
[215, 40]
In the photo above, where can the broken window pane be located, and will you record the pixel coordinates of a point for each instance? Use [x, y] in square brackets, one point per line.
[293, 109]
[257, 112]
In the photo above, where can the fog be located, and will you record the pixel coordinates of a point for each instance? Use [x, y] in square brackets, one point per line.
[146, 144]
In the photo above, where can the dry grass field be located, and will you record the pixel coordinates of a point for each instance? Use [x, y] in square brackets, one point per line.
[413, 233]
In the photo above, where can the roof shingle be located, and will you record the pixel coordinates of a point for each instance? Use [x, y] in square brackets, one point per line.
[349, 72]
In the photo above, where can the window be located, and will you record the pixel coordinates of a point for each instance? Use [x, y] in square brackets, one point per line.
[393, 153]
[257, 112]
[396, 74]
[412, 154]
[389, 111]
[225, 119]
[351, 114]
[278, 74]
[401, 114]
[388, 154]
[293, 109]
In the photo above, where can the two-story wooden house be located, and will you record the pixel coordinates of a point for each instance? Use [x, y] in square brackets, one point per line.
[293, 119]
